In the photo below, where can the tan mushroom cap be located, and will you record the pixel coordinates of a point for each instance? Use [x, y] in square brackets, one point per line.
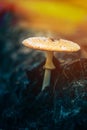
[49, 44]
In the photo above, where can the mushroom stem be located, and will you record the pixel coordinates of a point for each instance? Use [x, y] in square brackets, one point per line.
[48, 67]
[46, 80]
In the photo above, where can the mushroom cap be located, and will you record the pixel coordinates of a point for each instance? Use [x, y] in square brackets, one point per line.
[49, 44]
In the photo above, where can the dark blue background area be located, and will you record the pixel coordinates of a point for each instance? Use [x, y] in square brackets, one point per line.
[61, 106]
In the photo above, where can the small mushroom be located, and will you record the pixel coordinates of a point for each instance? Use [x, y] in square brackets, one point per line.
[50, 45]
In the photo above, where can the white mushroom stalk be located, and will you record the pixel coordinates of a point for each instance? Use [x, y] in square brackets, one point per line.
[49, 46]
[48, 67]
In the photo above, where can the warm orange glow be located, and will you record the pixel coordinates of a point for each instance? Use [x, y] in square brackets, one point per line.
[57, 15]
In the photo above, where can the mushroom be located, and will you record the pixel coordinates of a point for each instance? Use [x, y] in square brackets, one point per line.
[50, 45]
